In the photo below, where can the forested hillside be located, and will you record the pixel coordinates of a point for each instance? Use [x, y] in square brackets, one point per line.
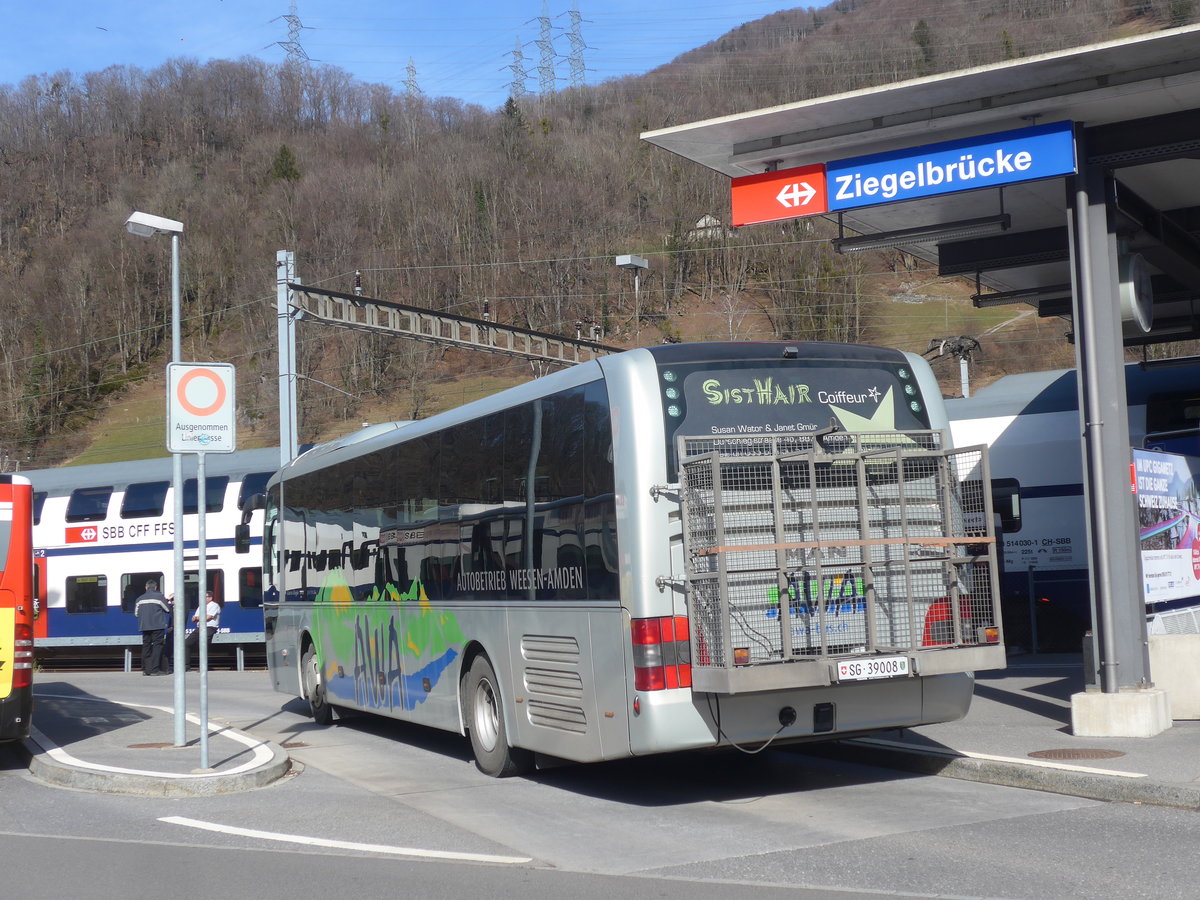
[437, 204]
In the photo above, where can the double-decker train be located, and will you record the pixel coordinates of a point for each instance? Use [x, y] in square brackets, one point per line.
[102, 531]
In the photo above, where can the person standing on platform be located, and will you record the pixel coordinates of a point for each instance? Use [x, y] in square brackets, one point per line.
[153, 614]
[212, 620]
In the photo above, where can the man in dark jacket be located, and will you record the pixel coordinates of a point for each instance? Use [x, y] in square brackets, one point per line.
[153, 613]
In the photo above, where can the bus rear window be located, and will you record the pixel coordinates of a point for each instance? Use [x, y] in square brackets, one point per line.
[745, 399]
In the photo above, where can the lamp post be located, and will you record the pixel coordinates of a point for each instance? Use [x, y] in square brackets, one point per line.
[635, 264]
[145, 225]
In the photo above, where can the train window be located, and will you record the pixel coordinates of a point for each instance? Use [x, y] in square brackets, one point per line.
[88, 504]
[1006, 502]
[39, 500]
[254, 483]
[250, 592]
[1185, 441]
[216, 584]
[1172, 412]
[214, 494]
[133, 585]
[87, 594]
[144, 500]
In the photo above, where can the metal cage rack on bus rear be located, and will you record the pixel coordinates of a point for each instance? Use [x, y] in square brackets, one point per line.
[813, 559]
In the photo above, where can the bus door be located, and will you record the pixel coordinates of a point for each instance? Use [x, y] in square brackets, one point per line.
[41, 617]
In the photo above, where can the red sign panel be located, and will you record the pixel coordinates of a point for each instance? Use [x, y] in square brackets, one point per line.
[83, 534]
[787, 194]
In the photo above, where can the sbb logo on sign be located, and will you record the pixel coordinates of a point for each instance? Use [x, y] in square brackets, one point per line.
[83, 534]
[785, 194]
[200, 408]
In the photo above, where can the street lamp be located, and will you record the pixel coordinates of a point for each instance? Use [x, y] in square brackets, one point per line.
[145, 225]
[635, 264]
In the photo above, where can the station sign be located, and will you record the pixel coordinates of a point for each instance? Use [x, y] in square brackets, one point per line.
[982, 161]
[200, 408]
[991, 160]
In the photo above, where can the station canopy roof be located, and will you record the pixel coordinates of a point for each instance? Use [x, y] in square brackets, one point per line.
[1138, 102]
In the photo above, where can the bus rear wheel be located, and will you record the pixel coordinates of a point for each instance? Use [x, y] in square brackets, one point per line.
[485, 724]
[314, 688]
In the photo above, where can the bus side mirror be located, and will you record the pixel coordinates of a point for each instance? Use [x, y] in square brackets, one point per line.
[241, 533]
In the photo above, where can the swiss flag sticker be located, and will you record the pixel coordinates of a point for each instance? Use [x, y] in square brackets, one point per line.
[83, 534]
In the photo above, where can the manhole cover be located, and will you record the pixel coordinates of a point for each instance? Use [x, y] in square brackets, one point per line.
[157, 746]
[1080, 753]
[293, 745]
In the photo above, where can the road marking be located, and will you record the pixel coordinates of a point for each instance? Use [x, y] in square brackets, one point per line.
[344, 845]
[261, 754]
[1040, 763]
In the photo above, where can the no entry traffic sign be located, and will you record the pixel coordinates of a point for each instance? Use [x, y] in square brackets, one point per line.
[201, 413]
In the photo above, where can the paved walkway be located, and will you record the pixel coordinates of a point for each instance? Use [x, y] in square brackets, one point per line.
[126, 745]
[1017, 733]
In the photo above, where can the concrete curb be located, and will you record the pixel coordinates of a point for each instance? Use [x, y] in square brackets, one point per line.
[1117, 787]
[49, 763]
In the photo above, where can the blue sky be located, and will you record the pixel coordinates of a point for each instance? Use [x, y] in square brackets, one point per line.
[462, 49]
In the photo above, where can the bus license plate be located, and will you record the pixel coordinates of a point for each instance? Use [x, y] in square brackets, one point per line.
[876, 667]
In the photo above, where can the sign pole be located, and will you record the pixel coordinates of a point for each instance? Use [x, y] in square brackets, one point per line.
[202, 605]
[179, 607]
[201, 419]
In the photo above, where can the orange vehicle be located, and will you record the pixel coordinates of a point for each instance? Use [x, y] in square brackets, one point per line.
[18, 607]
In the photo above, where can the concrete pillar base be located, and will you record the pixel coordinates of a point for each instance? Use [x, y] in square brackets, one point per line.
[1175, 667]
[1133, 713]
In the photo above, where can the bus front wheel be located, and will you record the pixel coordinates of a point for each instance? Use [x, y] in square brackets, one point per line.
[314, 688]
[485, 724]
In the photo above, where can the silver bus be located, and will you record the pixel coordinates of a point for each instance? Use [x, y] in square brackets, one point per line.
[679, 547]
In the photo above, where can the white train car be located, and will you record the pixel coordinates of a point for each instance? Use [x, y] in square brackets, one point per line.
[1031, 424]
[102, 531]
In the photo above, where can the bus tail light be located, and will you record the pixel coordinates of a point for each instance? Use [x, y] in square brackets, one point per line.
[662, 656]
[23, 657]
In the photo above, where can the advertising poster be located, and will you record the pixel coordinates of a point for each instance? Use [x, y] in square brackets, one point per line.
[1168, 513]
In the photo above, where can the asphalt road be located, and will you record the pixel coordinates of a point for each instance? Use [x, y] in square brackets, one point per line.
[379, 808]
